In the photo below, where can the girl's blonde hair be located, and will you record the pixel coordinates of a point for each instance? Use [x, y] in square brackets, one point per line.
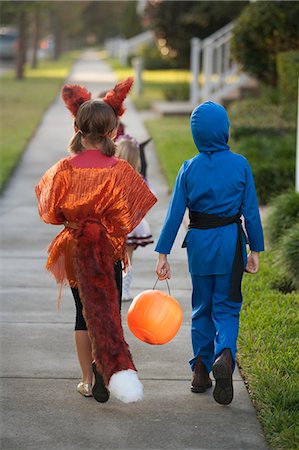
[95, 119]
[128, 149]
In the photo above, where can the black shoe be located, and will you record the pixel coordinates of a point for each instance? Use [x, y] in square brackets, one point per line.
[223, 373]
[99, 390]
[200, 379]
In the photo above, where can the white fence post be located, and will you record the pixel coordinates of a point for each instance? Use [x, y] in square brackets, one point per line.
[195, 69]
[208, 51]
[137, 63]
[123, 53]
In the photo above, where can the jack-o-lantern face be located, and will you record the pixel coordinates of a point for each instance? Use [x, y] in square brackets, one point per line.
[154, 317]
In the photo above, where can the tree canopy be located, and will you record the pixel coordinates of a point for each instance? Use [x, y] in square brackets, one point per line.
[262, 31]
[177, 22]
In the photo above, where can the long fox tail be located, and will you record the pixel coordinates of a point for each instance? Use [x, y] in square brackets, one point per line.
[99, 295]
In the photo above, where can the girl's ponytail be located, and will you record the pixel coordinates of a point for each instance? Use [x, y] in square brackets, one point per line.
[108, 147]
[75, 145]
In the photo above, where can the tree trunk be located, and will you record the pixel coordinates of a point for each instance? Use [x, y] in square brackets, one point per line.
[35, 39]
[21, 58]
[57, 36]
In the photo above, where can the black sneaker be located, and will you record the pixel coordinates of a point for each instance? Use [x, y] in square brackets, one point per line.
[99, 390]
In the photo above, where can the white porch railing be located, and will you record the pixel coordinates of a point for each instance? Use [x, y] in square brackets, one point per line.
[211, 58]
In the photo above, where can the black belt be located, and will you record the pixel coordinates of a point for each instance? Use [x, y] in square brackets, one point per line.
[207, 221]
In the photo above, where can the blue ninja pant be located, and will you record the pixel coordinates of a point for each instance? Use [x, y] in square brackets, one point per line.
[215, 319]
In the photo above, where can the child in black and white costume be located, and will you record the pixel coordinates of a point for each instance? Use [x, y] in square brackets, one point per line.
[129, 150]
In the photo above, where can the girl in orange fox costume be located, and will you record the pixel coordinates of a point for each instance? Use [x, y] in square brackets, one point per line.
[99, 199]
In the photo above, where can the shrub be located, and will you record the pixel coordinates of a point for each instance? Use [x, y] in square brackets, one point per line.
[283, 215]
[272, 160]
[262, 31]
[288, 70]
[178, 92]
[282, 231]
[265, 135]
[259, 115]
[271, 179]
[153, 60]
[287, 256]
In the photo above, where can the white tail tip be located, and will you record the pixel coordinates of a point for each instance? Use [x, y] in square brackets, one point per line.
[126, 386]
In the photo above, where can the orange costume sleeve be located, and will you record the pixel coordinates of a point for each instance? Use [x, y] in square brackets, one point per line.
[116, 197]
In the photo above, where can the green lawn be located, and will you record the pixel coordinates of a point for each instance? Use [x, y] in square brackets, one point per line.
[268, 340]
[173, 142]
[23, 103]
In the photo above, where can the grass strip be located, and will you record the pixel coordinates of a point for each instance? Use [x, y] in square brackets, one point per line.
[268, 355]
[23, 103]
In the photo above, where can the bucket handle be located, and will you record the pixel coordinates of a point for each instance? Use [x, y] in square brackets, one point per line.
[166, 283]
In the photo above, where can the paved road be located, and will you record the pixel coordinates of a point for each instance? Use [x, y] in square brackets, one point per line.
[39, 370]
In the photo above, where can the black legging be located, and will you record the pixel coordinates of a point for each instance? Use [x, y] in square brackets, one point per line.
[80, 323]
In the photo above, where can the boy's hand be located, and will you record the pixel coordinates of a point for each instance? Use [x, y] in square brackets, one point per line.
[162, 267]
[252, 262]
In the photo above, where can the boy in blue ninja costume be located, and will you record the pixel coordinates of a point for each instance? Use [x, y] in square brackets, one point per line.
[217, 187]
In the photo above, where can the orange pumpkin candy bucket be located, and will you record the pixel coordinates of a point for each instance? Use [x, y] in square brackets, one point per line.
[154, 317]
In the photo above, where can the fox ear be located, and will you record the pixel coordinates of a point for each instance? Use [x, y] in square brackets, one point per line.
[73, 96]
[116, 97]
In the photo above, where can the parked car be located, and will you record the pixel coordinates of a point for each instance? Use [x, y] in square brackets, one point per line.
[8, 43]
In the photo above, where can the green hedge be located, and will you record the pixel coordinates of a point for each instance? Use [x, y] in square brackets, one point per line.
[263, 132]
[258, 115]
[272, 160]
[178, 92]
[287, 256]
[282, 232]
[288, 72]
[282, 215]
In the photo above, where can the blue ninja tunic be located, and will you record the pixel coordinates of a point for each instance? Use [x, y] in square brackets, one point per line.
[216, 181]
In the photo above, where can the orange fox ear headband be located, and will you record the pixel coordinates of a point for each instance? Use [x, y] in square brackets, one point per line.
[74, 95]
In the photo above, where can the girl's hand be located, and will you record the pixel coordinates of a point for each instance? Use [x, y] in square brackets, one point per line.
[162, 267]
[252, 262]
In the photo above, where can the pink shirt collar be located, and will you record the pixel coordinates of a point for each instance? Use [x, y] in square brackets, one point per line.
[92, 158]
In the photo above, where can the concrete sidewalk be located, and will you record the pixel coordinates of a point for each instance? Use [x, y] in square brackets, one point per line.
[39, 371]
